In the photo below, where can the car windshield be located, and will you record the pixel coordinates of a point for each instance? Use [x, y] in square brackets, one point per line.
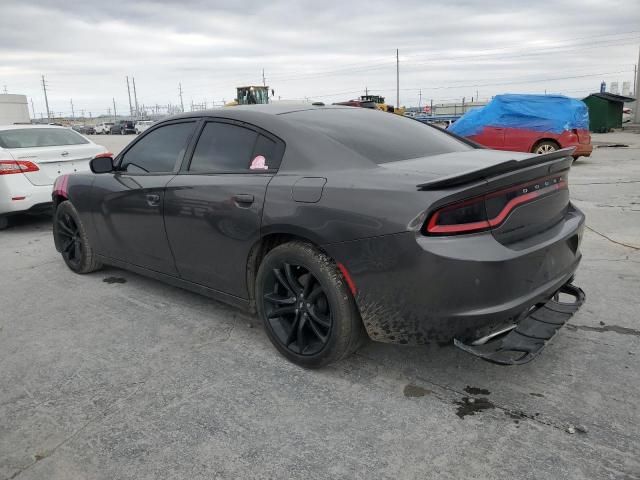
[39, 137]
[379, 136]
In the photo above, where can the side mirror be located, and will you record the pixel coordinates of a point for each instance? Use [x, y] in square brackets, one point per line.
[102, 163]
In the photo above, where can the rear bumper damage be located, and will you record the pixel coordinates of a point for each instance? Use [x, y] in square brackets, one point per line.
[522, 342]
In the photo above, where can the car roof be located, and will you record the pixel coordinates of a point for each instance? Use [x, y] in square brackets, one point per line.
[19, 127]
[276, 108]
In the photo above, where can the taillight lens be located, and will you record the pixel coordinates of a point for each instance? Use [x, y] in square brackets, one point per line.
[8, 167]
[490, 210]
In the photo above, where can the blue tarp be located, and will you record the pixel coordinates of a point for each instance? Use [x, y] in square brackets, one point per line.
[543, 113]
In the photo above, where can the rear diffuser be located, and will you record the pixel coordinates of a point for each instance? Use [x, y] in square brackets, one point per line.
[527, 339]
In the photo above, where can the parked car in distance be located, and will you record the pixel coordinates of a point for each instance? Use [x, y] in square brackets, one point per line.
[330, 222]
[626, 114]
[142, 125]
[84, 129]
[103, 127]
[123, 127]
[529, 123]
[31, 157]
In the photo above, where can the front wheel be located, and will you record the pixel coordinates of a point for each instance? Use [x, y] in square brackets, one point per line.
[71, 240]
[306, 306]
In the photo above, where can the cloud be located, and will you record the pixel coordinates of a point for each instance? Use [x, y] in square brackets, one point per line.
[329, 50]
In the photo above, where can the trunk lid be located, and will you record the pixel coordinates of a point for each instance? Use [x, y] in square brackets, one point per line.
[56, 160]
[515, 195]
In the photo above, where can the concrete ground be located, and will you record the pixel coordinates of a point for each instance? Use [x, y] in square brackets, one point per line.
[112, 375]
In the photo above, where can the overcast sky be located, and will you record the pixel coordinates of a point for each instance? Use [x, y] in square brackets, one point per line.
[324, 50]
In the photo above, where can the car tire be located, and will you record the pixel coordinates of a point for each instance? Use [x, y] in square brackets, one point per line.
[70, 237]
[4, 222]
[319, 322]
[546, 146]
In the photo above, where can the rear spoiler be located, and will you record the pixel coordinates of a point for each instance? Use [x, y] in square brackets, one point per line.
[506, 167]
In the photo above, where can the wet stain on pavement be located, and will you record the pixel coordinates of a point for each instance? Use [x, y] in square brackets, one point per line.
[476, 391]
[533, 394]
[112, 280]
[470, 406]
[606, 328]
[413, 391]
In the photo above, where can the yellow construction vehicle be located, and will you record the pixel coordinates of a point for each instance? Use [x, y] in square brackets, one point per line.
[375, 102]
[251, 95]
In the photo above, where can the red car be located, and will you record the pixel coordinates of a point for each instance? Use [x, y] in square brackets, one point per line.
[524, 140]
[528, 123]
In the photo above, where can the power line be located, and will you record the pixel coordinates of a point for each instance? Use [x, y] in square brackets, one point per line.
[135, 96]
[129, 94]
[46, 100]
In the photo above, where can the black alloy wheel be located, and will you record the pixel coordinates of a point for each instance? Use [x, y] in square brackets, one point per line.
[69, 240]
[307, 307]
[297, 309]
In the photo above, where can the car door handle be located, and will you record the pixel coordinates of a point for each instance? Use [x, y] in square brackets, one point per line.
[244, 199]
[153, 200]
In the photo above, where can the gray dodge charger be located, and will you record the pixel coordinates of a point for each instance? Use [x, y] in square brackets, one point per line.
[335, 224]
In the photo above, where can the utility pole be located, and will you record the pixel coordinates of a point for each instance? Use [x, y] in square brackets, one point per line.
[431, 108]
[264, 80]
[397, 78]
[135, 97]
[46, 100]
[420, 99]
[181, 100]
[129, 93]
[33, 110]
[73, 113]
[636, 108]
[115, 114]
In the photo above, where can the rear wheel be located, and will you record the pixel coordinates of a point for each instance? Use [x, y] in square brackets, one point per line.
[305, 304]
[546, 146]
[71, 240]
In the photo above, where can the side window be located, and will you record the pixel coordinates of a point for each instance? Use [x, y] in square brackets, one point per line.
[223, 147]
[159, 150]
[266, 154]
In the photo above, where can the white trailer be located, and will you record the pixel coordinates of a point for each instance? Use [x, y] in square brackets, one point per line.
[13, 109]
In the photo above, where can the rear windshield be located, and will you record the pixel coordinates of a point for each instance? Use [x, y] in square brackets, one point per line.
[39, 137]
[379, 136]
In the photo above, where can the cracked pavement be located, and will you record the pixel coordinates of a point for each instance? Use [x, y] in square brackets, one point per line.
[132, 379]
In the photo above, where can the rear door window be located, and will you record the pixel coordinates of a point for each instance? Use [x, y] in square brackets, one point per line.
[228, 148]
[40, 137]
[160, 150]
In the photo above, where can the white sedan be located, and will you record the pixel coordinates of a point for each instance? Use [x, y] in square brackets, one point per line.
[31, 158]
[142, 125]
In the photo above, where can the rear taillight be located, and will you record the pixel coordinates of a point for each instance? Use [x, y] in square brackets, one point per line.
[8, 167]
[490, 210]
